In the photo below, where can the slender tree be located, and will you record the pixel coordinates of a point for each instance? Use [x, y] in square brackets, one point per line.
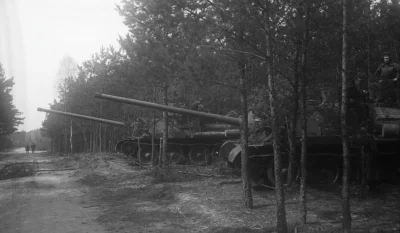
[280, 199]
[70, 137]
[244, 131]
[293, 120]
[165, 133]
[346, 222]
[66, 72]
[303, 163]
[153, 133]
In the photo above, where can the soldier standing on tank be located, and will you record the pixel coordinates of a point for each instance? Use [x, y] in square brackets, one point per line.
[388, 75]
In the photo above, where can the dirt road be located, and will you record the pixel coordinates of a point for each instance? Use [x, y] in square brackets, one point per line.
[106, 193]
[45, 202]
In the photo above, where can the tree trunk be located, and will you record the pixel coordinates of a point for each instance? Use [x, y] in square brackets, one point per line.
[244, 136]
[85, 146]
[70, 137]
[139, 153]
[100, 125]
[52, 144]
[346, 224]
[280, 199]
[160, 157]
[293, 121]
[369, 50]
[165, 133]
[244, 131]
[95, 137]
[59, 145]
[100, 137]
[91, 138]
[153, 134]
[105, 138]
[65, 123]
[303, 163]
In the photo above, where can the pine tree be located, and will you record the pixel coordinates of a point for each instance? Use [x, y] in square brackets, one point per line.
[9, 115]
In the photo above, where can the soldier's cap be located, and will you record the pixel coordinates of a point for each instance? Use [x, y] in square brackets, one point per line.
[386, 54]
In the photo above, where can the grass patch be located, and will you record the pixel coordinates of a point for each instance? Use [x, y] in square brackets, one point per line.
[93, 179]
[235, 230]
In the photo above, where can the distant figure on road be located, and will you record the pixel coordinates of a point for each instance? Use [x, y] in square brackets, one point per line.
[27, 148]
[33, 146]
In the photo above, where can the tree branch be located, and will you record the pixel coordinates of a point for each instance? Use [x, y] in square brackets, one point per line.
[236, 51]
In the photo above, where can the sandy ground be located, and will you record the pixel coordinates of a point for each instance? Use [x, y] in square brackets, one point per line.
[105, 193]
[45, 202]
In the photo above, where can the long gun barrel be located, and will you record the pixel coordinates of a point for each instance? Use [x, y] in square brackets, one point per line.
[205, 115]
[111, 122]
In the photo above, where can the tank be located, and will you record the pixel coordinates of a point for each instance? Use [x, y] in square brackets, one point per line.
[373, 130]
[199, 146]
[206, 148]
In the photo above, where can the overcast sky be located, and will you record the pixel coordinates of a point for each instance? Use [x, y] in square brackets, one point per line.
[36, 34]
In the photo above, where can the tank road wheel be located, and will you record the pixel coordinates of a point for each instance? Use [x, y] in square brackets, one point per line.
[225, 149]
[129, 148]
[213, 156]
[118, 146]
[199, 155]
[271, 173]
[323, 172]
[145, 154]
[258, 172]
[174, 154]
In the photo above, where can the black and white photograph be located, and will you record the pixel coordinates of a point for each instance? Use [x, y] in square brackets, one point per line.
[200, 116]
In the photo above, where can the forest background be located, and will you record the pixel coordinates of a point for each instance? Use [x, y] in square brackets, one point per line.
[194, 48]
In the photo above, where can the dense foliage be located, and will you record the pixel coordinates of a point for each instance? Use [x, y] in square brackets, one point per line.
[5, 142]
[9, 115]
[194, 47]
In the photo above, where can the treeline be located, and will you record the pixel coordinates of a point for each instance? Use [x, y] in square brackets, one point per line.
[5, 142]
[199, 49]
[22, 138]
[9, 114]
